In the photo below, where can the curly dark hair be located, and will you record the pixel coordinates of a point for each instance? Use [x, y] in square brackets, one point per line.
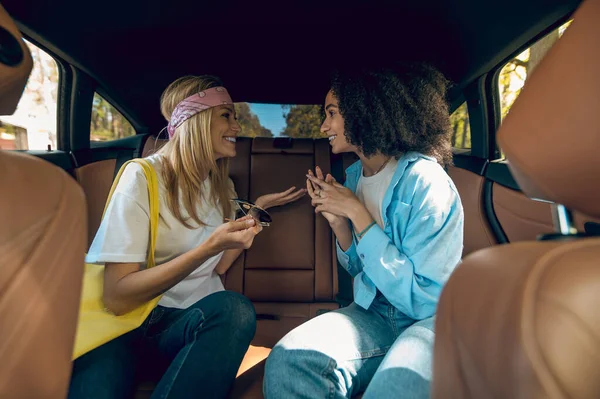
[394, 110]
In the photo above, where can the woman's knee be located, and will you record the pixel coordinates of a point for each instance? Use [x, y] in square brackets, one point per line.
[291, 371]
[237, 312]
[294, 357]
[280, 366]
[281, 359]
[276, 361]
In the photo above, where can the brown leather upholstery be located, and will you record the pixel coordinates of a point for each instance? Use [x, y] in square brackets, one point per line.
[521, 320]
[478, 233]
[13, 78]
[42, 244]
[521, 218]
[95, 179]
[291, 260]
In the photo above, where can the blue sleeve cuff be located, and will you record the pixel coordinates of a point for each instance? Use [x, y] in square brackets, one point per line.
[348, 258]
[372, 244]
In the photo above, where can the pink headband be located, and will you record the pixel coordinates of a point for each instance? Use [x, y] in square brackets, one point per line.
[198, 102]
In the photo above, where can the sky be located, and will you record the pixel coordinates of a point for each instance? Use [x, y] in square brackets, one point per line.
[270, 116]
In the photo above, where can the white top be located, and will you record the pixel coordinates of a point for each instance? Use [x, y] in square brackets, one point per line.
[123, 235]
[371, 190]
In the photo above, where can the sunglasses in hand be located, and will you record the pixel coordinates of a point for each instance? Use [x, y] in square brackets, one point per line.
[247, 208]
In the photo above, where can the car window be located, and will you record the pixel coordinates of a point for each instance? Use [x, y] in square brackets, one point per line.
[33, 125]
[276, 120]
[461, 129]
[107, 122]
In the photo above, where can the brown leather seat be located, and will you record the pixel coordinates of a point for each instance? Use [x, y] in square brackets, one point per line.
[521, 320]
[42, 245]
[95, 179]
[478, 233]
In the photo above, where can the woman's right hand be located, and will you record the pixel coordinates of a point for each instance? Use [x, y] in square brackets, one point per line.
[334, 220]
[238, 234]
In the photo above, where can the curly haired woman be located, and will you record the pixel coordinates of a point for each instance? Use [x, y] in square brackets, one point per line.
[398, 223]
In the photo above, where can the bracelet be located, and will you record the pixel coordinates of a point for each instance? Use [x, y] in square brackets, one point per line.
[362, 233]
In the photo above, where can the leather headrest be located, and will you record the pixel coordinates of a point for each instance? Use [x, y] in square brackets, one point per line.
[551, 136]
[281, 145]
[15, 64]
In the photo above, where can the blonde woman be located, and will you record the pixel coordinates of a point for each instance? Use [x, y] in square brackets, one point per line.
[198, 334]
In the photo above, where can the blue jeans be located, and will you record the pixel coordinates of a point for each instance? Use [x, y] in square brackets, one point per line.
[352, 350]
[196, 352]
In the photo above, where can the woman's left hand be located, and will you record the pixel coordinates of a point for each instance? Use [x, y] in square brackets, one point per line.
[334, 198]
[279, 199]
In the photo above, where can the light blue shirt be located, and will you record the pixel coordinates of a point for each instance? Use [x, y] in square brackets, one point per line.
[412, 257]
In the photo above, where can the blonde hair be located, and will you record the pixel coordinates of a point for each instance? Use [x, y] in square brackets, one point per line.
[188, 158]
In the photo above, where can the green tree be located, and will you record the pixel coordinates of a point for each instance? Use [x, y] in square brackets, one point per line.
[459, 120]
[107, 123]
[303, 121]
[514, 74]
[249, 122]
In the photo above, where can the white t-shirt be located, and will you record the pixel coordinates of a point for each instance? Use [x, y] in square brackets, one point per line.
[123, 235]
[371, 190]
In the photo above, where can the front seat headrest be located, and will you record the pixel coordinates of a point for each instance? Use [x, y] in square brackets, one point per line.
[15, 64]
[551, 136]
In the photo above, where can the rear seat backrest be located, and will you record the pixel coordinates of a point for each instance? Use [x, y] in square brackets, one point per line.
[95, 179]
[288, 273]
[478, 233]
[295, 251]
[95, 170]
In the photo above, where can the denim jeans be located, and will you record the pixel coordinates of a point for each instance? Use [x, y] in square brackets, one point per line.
[351, 350]
[197, 351]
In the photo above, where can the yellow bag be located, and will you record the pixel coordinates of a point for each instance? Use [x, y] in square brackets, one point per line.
[96, 325]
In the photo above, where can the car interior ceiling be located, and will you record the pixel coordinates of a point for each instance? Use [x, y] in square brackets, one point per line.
[269, 53]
